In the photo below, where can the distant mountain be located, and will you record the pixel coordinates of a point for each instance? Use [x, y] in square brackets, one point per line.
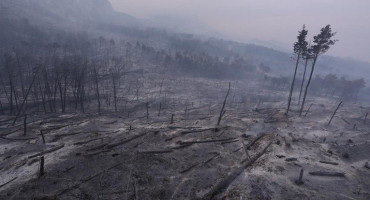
[68, 13]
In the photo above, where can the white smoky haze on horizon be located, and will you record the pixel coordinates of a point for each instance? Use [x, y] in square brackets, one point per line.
[275, 23]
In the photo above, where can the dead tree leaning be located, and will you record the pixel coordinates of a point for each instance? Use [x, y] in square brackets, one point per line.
[223, 111]
[334, 112]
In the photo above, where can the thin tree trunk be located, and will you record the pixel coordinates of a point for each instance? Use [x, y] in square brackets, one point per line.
[114, 92]
[308, 84]
[222, 112]
[11, 99]
[1, 108]
[334, 112]
[25, 98]
[97, 87]
[292, 85]
[25, 125]
[303, 79]
[42, 171]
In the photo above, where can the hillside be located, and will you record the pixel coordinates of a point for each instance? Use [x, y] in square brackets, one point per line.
[98, 18]
[96, 104]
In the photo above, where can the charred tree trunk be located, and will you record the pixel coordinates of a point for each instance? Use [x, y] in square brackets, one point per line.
[25, 98]
[308, 84]
[25, 125]
[292, 85]
[1, 108]
[42, 169]
[96, 78]
[114, 91]
[308, 110]
[303, 79]
[223, 111]
[172, 118]
[334, 112]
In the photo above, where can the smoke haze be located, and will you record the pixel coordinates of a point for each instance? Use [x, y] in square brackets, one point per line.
[271, 21]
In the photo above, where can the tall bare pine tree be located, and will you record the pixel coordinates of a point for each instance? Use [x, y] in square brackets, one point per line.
[322, 43]
[300, 47]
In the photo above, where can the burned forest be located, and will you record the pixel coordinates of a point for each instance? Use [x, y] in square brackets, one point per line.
[99, 104]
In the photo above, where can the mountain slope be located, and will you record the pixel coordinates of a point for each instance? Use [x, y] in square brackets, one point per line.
[68, 13]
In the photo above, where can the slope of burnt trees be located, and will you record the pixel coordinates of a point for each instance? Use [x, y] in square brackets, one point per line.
[56, 71]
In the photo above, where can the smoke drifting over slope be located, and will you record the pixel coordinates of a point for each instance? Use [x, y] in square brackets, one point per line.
[268, 20]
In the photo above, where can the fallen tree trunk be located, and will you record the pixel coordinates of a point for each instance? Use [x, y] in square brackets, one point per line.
[197, 131]
[156, 151]
[328, 162]
[324, 173]
[47, 151]
[84, 180]
[211, 158]
[18, 139]
[223, 184]
[88, 141]
[125, 141]
[254, 141]
[206, 141]
[6, 183]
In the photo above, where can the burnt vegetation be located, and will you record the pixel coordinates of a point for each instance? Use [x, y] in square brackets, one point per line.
[92, 108]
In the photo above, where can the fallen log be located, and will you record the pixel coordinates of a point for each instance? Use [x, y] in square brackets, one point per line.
[210, 159]
[189, 168]
[88, 141]
[125, 141]
[345, 121]
[112, 122]
[98, 147]
[238, 149]
[328, 162]
[84, 180]
[47, 130]
[206, 141]
[6, 183]
[98, 152]
[325, 173]
[18, 139]
[182, 146]
[254, 141]
[47, 151]
[156, 151]
[197, 131]
[68, 169]
[224, 183]
[13, 131]
[231, 141]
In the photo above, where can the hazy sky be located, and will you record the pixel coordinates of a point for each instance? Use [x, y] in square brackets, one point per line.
[269, 20]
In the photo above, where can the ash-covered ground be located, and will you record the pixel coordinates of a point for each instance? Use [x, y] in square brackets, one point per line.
[173, 149]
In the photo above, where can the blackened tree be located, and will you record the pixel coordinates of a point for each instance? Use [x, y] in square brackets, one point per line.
[322, 43]
[300, 47]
